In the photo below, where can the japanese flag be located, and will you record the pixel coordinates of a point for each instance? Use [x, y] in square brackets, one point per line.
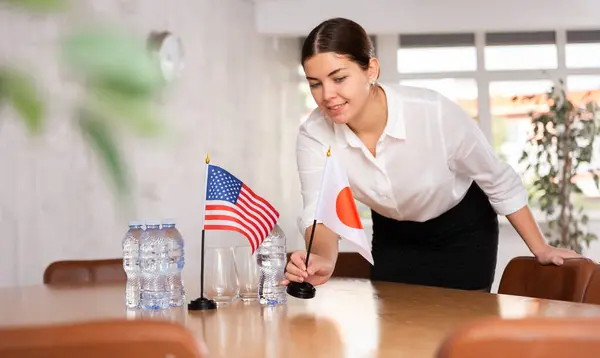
[337, 210]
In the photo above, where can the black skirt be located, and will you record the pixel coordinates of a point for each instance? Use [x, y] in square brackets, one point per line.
[457, 249]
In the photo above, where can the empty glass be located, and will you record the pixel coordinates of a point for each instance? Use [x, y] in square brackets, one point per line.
[221, 280]
[248, 272]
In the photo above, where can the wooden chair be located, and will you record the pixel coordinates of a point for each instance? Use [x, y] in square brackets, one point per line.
[349, 264]
[524, 338]
[85, 271]
[113, 338]
[592, 291]
[524, 276]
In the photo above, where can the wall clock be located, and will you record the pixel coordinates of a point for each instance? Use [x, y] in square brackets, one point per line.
[169, 50]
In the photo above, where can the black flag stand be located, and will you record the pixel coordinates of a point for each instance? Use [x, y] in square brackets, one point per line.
[202, 303]
[304, 289]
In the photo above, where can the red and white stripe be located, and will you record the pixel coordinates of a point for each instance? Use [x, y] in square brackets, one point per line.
[252, 216]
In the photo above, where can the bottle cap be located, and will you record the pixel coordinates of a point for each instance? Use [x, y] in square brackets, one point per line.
[168, 221]
[152, 222]
[136, 223]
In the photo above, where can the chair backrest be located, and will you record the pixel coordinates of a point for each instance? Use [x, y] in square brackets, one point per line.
[525, 276]
[113, 338]
[85, 271]
[524, 338]
[592, 291]
[350, 264]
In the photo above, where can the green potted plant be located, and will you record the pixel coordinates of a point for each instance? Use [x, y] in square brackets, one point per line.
[562, 143]
[119, 79]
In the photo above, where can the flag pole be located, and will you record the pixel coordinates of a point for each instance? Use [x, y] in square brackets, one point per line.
[306, 289]
[202, 303]
[312, 231]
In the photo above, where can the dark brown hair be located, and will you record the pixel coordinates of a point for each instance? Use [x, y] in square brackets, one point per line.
[341, 36]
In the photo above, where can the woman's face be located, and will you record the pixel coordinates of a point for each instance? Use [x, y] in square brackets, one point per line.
[339, 86]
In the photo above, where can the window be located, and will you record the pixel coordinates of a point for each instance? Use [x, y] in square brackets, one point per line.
[520, 51]
[437, 53]
[511, 102]
[583, 49]
[461, 90]
[582, 89]
[308, 102]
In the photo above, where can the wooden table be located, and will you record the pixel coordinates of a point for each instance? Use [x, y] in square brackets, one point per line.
[347, 318]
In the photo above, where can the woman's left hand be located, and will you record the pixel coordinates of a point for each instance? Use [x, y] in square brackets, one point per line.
[553, 255]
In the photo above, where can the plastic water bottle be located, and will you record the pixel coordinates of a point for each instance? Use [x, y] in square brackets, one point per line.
[154, 263]
[131, 264]
[176, 263]
[271, 259]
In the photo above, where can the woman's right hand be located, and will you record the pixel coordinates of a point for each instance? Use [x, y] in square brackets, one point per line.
[319, 269]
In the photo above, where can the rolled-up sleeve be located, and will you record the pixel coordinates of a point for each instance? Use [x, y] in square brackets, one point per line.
[310, 159]
[469, 153]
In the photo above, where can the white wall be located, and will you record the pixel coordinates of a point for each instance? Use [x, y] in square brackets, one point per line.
[234, 100]
[407, 16]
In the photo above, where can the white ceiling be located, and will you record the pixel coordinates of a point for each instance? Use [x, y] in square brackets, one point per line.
[298, 17]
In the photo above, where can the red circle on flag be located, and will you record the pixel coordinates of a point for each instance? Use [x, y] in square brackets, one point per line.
[345, 209]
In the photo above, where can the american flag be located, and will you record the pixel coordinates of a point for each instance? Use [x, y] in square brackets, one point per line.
[233, 206]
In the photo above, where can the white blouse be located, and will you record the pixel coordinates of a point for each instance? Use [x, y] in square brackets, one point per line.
[426, 159]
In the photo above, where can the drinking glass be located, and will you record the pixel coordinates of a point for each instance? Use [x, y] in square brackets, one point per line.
[248, 272]
[220, 275]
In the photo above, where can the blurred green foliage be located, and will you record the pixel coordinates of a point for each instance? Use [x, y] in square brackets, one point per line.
[38, 5]
[121, 80]
[17, 89]
[112, 60]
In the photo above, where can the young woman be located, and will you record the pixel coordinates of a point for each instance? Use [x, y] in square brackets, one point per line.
[434, 184]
